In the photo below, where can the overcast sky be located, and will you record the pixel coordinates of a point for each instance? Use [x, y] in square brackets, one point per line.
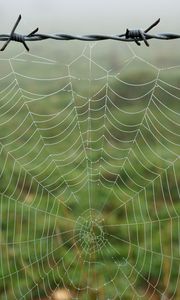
[111, 16]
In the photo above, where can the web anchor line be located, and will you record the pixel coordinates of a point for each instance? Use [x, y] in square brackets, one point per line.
[133, 35]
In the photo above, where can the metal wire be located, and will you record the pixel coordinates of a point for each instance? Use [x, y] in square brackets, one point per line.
[135, 35]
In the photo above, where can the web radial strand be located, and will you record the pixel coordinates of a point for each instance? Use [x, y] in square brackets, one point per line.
[89, 168]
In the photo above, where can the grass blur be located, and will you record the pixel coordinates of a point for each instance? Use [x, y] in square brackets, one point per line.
[86, 139]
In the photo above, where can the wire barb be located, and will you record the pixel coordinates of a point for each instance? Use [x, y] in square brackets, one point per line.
[18, 37]
[134, 35]
[140, 35]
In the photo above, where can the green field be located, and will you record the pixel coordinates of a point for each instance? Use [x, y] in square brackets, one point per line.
[89, 173]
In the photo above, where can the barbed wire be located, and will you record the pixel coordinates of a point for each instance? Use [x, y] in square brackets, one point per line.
[134, 35]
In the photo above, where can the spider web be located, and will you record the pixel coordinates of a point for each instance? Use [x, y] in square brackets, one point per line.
[89, 177]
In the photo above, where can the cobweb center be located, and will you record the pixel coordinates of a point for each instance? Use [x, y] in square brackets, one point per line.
[89, 232]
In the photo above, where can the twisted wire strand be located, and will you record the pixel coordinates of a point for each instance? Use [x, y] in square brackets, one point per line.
[91, 37]
[135, 35]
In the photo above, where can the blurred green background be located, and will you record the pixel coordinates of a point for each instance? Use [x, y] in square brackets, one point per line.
[89, 149]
